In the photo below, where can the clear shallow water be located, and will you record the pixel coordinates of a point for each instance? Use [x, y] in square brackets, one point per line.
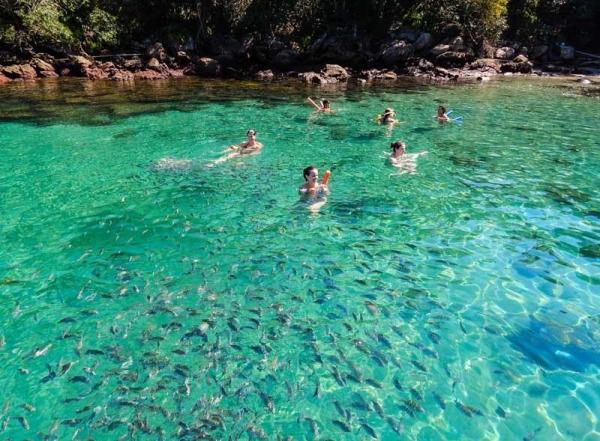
[461, 302]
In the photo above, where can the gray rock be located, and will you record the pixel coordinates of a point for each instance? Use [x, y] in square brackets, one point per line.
[538, 51]
[286, 58]
[41, 65]
[206, 66]
[335, 71]
[396, 53]
[153, 63]
[452, 59]
[505, 53]
[439, 49]
[486, 64]
[264, 75]
[315, 78]
[408, 35]
[156, 51]
[567, 52]
[424, 41]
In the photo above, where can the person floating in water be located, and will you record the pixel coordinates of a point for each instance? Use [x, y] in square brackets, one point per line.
[249, 147]
[404, 162]
[442, 115]
[323, 106]
[387, 117]
[314, 192]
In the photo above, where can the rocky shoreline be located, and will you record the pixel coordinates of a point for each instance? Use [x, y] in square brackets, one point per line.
[329, 60]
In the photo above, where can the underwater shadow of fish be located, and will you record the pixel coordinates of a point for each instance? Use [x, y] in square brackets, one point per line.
[542, 346]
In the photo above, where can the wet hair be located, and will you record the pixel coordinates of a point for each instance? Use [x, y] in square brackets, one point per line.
[442, 108]
[325, 103]
[307, 171]
[253, 131]
[397, 145]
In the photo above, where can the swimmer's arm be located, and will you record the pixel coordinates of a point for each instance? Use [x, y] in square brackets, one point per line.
[324, 189]
[316, 106]
[421, 154]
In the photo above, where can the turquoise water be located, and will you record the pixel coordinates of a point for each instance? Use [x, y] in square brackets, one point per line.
[150, 299]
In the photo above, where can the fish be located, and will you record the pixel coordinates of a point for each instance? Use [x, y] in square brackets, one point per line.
[378, 408]
[439, 400]
[267, 400]
[396, 426]
[64, 368]
[51, 374]
[371, 307]
[397, 384]
[413, 405]
[531, 435]
[370, 431]
[342, 425]
[23, 422]
[338, 376]
[5, 423]
[384, 341]
[397, 330]
[38, 352]
[435, 338]
[374, 383]
[419, 365]
[317, 393]
[2, 341]
[79, 379]
[500, 412]
[28, 407]
[467, 410]
[343, 412]
[415, 394]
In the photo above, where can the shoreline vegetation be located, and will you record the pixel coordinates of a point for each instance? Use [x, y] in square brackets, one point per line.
[315, 41]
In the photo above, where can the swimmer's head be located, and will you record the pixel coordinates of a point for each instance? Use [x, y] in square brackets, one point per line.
[388, 111]
[310, 174]
[398, 146]
[251, 133]
[441, 110]
[326, 104]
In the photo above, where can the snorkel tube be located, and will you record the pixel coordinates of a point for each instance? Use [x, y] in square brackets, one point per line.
[326, 177]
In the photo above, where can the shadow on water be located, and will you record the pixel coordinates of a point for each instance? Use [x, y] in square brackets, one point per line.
[551, 347]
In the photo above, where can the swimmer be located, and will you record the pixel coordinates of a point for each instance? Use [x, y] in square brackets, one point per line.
[249, 147]
[405, 162]
[323, 105]
[311, 186]
[388, 117]
[442, 115]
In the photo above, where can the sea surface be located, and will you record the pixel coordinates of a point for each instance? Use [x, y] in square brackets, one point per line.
[147, 295]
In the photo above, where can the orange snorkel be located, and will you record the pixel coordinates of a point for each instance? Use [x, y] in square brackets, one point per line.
[326, 178]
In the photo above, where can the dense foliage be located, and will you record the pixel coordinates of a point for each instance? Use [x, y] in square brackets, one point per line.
[92, 25]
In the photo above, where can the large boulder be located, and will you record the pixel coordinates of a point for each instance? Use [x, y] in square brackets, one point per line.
[149, 75]
[409, 35]
[337, 49]
[157, 51]
[208, 67]
[538, 51]
[153, 63]
[424, 41]
[95, 73]
[41, 65]
[505, 53]
[315, 78]
[19, 72]
[450, 31]
[133, 64]
[452, 59]
[396, 53]
[286, 58]
[79, 64]
[486, 64]
[227, 50]
[335, 71]
[520, 64]
[439, 49]
[121, 75]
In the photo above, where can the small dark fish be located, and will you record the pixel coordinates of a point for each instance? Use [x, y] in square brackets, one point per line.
[397, 384]
[374, 383]
[67, 320]
[94, 352]
[415, 394]
[267, 400]
[395, 425]
[384, 341]
[439, 400]
[79, 379]
[378, 408]
[317, 393]
[398, 331]
[435, 338]
[66, 367]
[467, 410]
[338, 376]
[413, 405]
[342, 425]
[38, 352]
[51, 374]
[372, 308]
[370, 431]
[343, 412]
[28, 407]
[462, 327]
[23, 422]
[500, 412]
[419, 365]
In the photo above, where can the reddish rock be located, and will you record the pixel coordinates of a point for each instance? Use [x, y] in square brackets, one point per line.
[153, 63]
[95, 73]
[315, 78]
[486, 64]
[176, 73]
[121, 75]
[41, 65]
[149, 75]
[3, 79]
[48, 74]
[19, 71]
[65, 72]
[79, 65]
[133, 64]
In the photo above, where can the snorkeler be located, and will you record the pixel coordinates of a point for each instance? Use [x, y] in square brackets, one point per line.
[323, 105]
[442, 115]
[405, 162]
[311, 186]
[387, 117]
[248, 147]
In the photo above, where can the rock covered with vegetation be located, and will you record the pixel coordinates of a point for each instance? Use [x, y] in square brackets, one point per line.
[266, 39]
